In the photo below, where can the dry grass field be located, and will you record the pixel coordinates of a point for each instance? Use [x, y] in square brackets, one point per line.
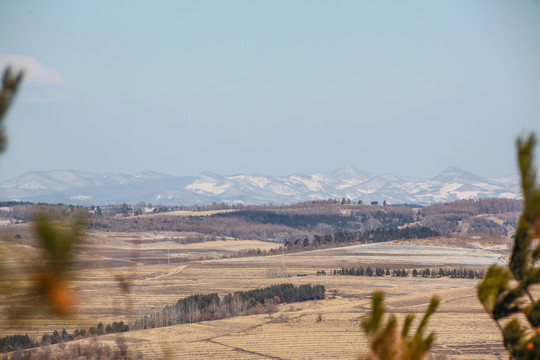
[155, 269]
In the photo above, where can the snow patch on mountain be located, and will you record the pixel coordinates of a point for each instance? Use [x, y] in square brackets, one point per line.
[208, 187]
[312, 183]
[74, 187]
[260, 181]
[450, 187]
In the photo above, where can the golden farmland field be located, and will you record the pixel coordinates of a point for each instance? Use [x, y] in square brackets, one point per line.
[159, 271]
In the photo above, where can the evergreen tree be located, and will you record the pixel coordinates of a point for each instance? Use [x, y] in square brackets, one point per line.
[369, 271]
[505, 291]
[441, 272]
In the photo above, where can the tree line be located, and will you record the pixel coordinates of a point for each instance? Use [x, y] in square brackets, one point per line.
[468, 215]
[16, 342]
[203, 307]
[373, 236]
[290, 219]
[277, 223]
[21, 342]
[454, 273]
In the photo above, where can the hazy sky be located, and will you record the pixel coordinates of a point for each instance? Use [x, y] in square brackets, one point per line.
[273, 87]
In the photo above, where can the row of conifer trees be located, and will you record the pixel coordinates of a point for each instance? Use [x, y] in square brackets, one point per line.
[456, 273]
[202, 307]
[19, 342]
[360, 237]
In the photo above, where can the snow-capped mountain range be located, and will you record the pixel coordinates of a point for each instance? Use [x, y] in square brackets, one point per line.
[79, 188]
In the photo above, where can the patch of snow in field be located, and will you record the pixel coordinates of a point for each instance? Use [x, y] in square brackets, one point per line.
[178, 212]
[154, 236]
[419, 253]
[492, 247]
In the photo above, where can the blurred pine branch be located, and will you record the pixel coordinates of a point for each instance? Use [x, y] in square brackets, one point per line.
[387, 343]
[56, 239]
[10, 85]
[506, 291]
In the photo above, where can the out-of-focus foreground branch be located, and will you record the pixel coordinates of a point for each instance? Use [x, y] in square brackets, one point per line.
[10, 84]
[386, 342]
[506, 292]
[49, 286]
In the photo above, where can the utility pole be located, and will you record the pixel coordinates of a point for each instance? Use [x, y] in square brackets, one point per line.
[283, 257]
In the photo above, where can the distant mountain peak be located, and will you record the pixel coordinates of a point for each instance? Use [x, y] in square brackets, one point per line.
[457, 173]
[73, 187]
[210, 174]
[149, 174]
[453, 170]
[349, 170]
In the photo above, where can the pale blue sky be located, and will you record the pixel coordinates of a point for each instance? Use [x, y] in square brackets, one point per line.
[273, 87]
